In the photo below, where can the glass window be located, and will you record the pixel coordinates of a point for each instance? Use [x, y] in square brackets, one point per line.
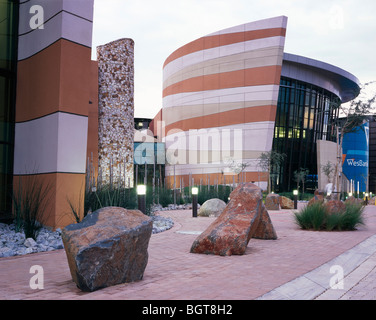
[306, 113]
[8, 60]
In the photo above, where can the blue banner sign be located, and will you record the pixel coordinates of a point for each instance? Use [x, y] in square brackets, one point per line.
[355, 149]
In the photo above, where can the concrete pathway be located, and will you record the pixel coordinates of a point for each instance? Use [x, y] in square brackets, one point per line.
[298, 265]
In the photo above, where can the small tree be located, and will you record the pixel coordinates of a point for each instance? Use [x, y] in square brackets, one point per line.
[236, 166]
[271, 163]
[328, 170]
[300, 176]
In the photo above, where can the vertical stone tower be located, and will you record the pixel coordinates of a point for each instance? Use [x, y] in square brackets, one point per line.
[116, 112]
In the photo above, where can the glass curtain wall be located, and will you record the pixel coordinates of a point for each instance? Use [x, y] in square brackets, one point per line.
[305, 114]
[8, 64]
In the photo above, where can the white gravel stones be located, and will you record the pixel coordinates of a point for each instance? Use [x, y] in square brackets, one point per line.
[13, 243]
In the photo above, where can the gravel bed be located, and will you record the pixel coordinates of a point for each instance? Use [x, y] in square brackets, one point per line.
[14, 243]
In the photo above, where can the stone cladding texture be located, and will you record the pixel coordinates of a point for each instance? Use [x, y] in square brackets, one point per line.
[116, 111]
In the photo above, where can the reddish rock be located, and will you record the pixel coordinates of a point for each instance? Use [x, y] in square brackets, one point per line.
[335, 206]
[108, 247]
[265, 229]
[315, 199]
[352, 199]
[286, 203]
[244, 217]
[272, 201]
[319, 193]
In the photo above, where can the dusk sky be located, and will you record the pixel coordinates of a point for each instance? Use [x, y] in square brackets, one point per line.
[342, 33]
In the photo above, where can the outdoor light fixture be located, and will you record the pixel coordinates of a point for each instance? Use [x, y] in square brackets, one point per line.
[295, 193]
[350, 194]
[141, 192]
[194, 201]
[366, 198]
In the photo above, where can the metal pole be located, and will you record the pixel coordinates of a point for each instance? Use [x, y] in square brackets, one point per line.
[142, 203]
[194, 205]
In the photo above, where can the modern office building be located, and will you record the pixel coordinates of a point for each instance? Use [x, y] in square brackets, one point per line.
[234, 94]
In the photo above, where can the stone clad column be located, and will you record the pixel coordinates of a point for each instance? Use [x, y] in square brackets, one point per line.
[116, 111]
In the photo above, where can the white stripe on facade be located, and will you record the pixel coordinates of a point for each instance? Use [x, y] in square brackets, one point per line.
[238, 94]
[218, 52]
[54, 143]
[63, 25]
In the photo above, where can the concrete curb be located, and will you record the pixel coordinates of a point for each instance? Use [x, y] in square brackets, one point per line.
[352, 266]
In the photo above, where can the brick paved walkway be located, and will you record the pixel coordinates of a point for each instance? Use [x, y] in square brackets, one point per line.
[174, 273]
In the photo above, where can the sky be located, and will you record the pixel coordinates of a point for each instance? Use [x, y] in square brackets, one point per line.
[339, 32]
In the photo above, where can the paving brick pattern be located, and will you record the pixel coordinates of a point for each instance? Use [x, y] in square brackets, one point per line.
[174, 273]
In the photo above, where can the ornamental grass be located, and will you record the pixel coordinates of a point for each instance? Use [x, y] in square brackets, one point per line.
[317, 217]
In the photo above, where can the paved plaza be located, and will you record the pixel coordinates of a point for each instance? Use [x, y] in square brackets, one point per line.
[299, 265]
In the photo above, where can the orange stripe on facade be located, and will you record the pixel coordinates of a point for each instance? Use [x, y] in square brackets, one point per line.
[55, 79]
[210, 42]
[212, 178]
[58, 190]
[233, 79]
[227, 118]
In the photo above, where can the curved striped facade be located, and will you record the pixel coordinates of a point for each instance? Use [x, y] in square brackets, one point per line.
[234, 94]
[52, 105]
[220, 95]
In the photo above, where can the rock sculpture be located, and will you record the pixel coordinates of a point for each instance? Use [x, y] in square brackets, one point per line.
[244, 217]
[108, 247]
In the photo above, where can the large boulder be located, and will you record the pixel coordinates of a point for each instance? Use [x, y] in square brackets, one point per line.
[272, 201]
[316, 198]
[108, 247]
[265, 229]
[286, 203]
[244, 217]
[335, 206]
[353, 200]
[212, 207]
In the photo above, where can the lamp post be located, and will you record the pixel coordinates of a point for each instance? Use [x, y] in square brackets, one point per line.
[194, 201]
[295, 193]
[141, 192]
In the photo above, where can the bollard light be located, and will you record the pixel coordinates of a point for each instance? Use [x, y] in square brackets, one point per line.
[194, 201]
[295, 193]
[350, 194]
[141, 192]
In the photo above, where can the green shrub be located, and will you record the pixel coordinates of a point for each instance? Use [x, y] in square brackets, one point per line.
[110, 196]
[311, 217]
[165, 197]
[30, 200]
[316, 217]
[352, 217]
